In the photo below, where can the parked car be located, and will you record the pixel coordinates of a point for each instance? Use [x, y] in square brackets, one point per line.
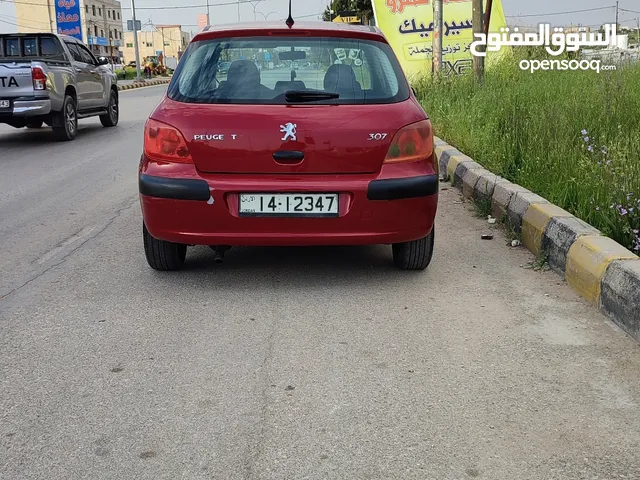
[54, 80]
[273, 161]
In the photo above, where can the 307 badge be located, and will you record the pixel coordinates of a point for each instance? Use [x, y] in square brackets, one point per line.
[377, 136]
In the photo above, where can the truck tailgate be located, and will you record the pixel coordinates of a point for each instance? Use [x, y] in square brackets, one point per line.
[15, 80]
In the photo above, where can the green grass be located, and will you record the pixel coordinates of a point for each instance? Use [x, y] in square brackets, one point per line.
[527, 128]
[131, 73]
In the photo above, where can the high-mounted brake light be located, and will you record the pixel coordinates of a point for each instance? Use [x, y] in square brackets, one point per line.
[412, 143]
[39, 78]
[166, 143]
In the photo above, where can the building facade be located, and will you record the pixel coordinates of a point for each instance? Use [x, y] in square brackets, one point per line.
[170, 40]
[98, 23]
[103, 27]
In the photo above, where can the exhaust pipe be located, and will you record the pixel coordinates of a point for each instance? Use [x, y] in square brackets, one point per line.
[219, 254]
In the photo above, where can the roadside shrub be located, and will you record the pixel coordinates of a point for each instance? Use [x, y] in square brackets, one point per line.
[571, 136]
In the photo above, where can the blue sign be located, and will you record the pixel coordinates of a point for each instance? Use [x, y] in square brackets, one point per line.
[98, 41]
[68, 18]
[267, 57]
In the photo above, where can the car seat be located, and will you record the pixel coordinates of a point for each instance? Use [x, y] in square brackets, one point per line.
[341, 79]
[243, 80]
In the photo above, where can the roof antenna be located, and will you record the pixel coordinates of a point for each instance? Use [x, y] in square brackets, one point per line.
[290, 21]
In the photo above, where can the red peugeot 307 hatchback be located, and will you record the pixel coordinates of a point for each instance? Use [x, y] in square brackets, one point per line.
[273, 135]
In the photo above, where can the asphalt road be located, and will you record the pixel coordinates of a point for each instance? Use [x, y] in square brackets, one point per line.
[319, 363]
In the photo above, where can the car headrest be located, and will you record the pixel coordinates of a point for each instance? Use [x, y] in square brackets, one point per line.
[244, 72]
[341, 78]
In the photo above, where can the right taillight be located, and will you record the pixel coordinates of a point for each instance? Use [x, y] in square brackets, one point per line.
[166, 143]
[412, 143]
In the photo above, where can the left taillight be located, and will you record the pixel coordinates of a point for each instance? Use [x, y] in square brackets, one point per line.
[412, 143]
[39, 78]
[166, 143]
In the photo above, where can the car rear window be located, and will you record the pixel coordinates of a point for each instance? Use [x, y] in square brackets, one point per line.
[259, 70]
[49, 47]
[10, 47]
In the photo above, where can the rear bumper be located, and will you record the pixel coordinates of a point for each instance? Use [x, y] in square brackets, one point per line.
[198, 190]
[28, 108]
[201, 209]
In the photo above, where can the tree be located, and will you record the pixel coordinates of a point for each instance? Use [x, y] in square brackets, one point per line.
[362, 7]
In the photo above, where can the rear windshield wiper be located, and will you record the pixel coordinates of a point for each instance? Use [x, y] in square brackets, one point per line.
[309, 95]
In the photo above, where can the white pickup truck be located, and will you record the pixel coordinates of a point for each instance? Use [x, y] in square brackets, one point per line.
[54, 80]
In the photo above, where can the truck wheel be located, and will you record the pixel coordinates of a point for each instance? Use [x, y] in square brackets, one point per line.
[110, 119]
[65, 126]
[161, 255]
[35, 124]
[415, 255]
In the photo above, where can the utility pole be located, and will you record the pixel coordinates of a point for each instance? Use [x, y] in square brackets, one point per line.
[135, 39]
[51, 22]
[437, 37]
[208, 13]
[238, 11]
[617, 13]
[478, 62]
[164, 55]
[487, 16]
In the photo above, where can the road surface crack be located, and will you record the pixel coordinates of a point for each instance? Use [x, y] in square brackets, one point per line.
[252, 458]
[129, 204]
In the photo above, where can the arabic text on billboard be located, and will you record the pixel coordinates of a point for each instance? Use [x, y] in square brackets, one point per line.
[408, 25]
[68, 19]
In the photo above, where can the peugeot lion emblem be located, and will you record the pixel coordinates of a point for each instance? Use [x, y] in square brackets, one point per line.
[289, 130]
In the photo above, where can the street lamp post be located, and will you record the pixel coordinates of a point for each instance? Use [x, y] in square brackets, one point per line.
[255, 5]
[267, 15]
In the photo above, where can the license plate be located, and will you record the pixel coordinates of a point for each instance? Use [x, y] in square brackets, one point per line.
[5, 103]
[289, 204]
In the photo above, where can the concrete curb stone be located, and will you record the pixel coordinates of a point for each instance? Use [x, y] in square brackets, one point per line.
[518, 206]
[444, 153]
[587, 262]
[471, 179]
[598, 268]
[535, 222]
[486, 185]
[464, 165]
[620, 295]
[560, 234]
[501, 198]
[146, 84]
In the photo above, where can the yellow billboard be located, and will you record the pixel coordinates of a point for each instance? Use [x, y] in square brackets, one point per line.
[408, 26]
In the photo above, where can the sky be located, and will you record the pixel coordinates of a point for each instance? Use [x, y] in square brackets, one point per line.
[523, 12]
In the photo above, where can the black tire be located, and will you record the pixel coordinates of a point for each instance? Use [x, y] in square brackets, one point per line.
[111, 118]
[161, 255]
[35, 124]
[415, 255]
[65, 126]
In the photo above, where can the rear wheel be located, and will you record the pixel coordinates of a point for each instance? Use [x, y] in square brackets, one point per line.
[35, 124]
[110, 119]
[65, 126]
[161, 255]
[414, 255]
